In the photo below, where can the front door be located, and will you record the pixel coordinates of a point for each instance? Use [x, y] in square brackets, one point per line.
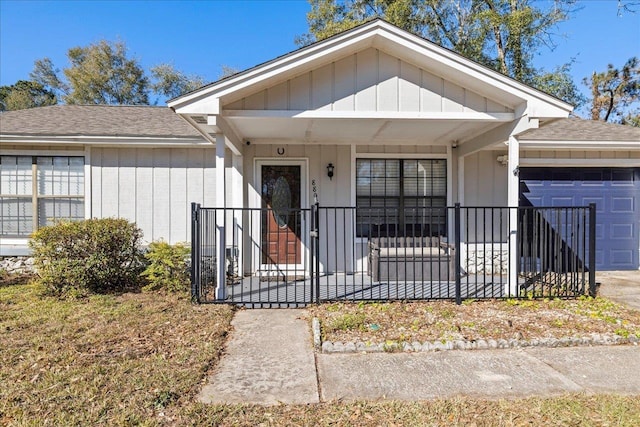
[282, 220]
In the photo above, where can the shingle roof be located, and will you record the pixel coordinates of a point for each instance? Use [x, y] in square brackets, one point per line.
[95, 120]
[581, 130]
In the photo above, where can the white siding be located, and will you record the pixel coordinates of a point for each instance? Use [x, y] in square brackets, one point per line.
[152, 187]
[401, 149]
[370, 80]
[485, 184]
[485, 179]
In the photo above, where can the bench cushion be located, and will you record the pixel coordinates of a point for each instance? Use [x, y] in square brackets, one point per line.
[428, 252]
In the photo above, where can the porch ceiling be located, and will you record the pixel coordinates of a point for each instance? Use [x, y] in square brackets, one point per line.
[374, 128]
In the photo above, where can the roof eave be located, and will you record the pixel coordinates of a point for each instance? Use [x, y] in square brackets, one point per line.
[369, 34]
[102, 139]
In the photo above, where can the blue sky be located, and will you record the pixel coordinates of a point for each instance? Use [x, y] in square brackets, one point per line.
[199, 37]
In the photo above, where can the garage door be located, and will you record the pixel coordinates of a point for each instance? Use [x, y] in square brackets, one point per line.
[616, 192]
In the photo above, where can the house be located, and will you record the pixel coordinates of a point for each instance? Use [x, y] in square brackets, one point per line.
[371, 118]
[68, 161]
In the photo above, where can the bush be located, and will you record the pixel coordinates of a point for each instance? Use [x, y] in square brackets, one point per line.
[90, 256]
[168, 267]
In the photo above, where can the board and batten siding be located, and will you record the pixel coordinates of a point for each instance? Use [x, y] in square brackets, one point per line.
[485, 185]
[485, 179]
[152, 187]
[370, 80]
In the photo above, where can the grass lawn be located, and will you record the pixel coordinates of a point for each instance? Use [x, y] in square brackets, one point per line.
[108, 359]
[140, 359]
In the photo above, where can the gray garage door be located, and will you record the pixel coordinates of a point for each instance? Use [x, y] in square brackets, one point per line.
[616, 192]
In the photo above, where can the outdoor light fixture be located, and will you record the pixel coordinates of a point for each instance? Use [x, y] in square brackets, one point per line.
[330, 170]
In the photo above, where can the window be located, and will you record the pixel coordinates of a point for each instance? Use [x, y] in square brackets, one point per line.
[37, 190]
[401, 197]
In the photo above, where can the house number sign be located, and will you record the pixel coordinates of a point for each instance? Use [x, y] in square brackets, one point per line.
[314, 190]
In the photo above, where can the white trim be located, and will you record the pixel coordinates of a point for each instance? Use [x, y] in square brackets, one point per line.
[87, 183]
[43, 153]
[105, 140]
[354, 156]
[393, 156]
[17, 241]
[449, 159]
[356, 140]
[256, 203]
[220, 203]
[542, 162]
[513, 196]
[450, 218]
[400, 115]
[461, 176]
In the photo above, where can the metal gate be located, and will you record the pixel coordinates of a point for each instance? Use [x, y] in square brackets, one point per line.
[258, 257]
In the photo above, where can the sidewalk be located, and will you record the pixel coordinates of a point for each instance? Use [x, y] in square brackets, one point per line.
[270, 360]
[620, 286]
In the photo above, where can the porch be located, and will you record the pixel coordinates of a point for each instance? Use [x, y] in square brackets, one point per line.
[326, 254]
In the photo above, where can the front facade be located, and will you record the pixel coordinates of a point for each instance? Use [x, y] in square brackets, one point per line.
[74, 162]
[372, 118]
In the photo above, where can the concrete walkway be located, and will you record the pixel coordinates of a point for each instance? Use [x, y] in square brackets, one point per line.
[270, 360]
[620, 286]
[488, 374]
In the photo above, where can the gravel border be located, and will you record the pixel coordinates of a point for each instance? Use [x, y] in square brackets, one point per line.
[395, 346]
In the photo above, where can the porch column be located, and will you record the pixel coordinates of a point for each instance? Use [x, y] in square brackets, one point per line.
[513, 192]
[221, 293]
[237, 202]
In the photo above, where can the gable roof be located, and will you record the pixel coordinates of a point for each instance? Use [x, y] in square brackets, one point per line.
[96, 120]
[381, 35]
[574, 129]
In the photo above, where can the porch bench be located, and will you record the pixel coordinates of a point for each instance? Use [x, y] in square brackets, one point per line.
[410, 259]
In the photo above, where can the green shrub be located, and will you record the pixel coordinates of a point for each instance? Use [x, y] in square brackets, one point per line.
[90, 256]
[167, 267]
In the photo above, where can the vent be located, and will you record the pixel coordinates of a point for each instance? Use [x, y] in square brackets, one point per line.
[199, 119]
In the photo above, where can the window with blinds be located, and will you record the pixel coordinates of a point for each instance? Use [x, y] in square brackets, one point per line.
[401, 197]
[38, 190]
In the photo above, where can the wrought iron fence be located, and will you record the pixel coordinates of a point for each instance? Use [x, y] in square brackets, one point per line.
[260, 257]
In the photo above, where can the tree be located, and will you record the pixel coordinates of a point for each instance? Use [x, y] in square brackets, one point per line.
[99, 73]
[559, 83]
[616, 93]
[518, 28]
[171, 83]
[25, 94]
[227, 71]
[501, 34]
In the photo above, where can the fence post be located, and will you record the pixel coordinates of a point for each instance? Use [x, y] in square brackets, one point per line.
[312, 234]
[220, 242]
[592, 249]
[317, 249]
[457, 252]
[514, 255]
[195, 253]
[317, 254]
